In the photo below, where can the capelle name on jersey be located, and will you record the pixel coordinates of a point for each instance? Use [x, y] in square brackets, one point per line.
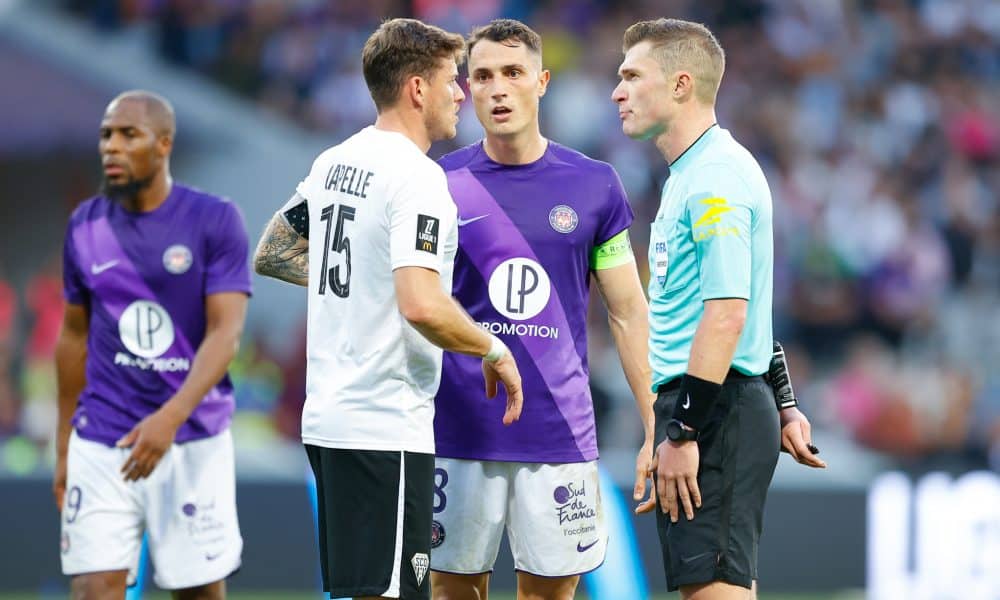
[348, 180]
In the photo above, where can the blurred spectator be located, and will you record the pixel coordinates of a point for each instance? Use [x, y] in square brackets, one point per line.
[258, 382]
[44, 300]
[8, 401]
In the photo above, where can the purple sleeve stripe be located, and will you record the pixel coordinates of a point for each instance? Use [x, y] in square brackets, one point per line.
[479, 200]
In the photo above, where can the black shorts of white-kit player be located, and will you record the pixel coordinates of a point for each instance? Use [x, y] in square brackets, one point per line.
[738, 449]
[375, 510]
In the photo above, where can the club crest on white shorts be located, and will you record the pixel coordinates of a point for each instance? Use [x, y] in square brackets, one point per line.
[552, 513]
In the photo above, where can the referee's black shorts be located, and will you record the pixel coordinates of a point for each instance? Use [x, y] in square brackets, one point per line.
[738, 452]
[375, 510]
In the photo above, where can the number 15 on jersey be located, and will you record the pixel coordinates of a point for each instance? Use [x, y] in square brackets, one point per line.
[339, 279]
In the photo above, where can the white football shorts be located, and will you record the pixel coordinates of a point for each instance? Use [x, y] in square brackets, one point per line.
[552, 513]
[187, 505]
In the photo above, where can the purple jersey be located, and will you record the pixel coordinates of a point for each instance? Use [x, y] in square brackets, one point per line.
[143, 278]
[526, 234]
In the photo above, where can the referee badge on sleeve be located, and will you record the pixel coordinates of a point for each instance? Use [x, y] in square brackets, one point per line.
[427, 233]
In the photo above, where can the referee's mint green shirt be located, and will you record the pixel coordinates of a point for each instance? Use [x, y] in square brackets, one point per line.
[712, 238]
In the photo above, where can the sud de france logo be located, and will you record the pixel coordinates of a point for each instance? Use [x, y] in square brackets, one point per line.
[571, 502]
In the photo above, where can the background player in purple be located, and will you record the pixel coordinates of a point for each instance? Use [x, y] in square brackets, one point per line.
[536, 221]
[156, 280]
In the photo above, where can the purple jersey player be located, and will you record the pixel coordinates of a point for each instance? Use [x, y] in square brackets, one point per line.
[527, 235]
[537, 222]
[156, 282]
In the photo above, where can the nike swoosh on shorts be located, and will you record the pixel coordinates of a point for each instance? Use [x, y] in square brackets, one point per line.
[691, 559]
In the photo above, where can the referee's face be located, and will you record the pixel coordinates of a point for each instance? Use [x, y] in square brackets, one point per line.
[643, 94]
[444, 98]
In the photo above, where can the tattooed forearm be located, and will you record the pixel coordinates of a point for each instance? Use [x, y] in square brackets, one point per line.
[282, 253]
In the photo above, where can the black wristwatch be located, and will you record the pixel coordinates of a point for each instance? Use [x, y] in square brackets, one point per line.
[678, 432]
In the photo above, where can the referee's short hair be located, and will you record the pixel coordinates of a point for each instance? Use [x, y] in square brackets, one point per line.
[400, 49]
[683, 45]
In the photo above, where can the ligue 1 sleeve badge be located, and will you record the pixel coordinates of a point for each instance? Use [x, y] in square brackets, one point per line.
[177, 259]
[563, 218]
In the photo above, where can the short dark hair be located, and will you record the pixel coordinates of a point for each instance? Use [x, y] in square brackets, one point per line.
[402, 48]
[679, 44]
[501, 30]
[159, 111]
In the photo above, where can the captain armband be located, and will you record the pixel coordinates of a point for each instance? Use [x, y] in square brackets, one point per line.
[612, 253]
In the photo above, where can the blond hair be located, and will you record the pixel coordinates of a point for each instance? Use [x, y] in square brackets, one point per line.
[683, 45]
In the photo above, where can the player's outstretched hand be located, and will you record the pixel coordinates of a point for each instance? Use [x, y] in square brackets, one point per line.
[59, 480]
[796, 438]
[149, 439]
[677, 478]
[645, 471]
[505, 371]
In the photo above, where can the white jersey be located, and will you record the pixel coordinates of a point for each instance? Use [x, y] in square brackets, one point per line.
[376, 203]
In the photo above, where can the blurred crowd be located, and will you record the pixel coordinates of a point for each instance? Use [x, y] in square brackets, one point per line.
[877, 123]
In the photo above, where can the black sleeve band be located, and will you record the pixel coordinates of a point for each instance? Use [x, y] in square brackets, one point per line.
[695, 400]
[780, 379]
[298, 218]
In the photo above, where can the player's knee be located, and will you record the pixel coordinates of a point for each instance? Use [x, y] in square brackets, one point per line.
[533, 587]
[717, 590]
[209, 591]
[105, 585]
[450, 586]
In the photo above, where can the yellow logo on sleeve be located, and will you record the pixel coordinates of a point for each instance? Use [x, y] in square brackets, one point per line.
[716, 208]
[712, 216]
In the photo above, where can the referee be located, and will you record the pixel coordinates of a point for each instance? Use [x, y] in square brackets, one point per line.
[718, 432]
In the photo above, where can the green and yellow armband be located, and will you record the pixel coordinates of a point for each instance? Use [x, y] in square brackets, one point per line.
[612, 253]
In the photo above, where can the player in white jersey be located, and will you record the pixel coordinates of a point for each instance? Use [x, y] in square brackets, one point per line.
[380, 313]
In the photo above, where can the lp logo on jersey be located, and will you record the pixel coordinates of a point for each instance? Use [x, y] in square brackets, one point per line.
[146, 329]
[519, 288]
